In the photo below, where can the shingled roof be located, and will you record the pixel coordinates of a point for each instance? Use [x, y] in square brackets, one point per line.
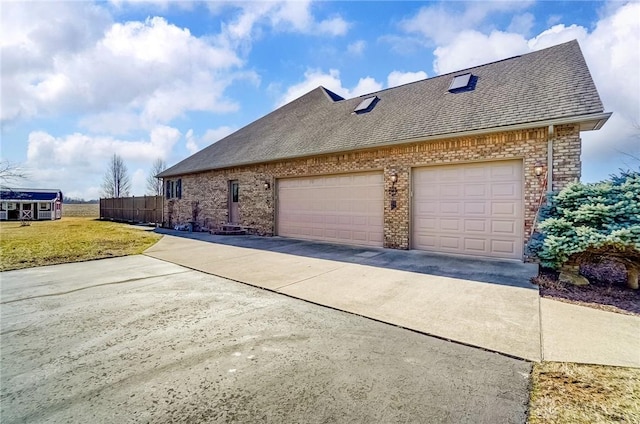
[539, 88]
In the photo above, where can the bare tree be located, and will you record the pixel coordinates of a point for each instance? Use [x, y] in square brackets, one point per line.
[10, 172]
[154, 185]
[116, 181]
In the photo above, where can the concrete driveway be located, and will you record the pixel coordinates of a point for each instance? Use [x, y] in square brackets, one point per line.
[137, 339]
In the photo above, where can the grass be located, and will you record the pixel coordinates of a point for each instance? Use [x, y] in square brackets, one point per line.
[68, 240]
[575, 393]
[88, 210]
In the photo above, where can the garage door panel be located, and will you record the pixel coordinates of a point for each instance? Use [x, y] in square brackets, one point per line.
[425, 207]
[504, 209]
[507, 247]
[447, 207]
[426, 224]
[473, 209]
[376, 221]
[506, 171]
[506, 227]
[473, 172]
[359, 236]
[478, 245]
[427, 241]
[450, 224]
[447, 242]
[451, 191]
[475, 225]
[504, 190]
[475, 190]
[346, 208]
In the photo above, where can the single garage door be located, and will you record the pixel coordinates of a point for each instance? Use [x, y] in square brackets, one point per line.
[471, 209]
[336, 208]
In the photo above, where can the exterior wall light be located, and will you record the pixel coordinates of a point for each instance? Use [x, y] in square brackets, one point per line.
[267, 185]
[538, 168]
[394, 178]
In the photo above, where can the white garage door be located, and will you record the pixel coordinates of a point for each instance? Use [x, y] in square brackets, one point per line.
[471, 209]
[337, 208]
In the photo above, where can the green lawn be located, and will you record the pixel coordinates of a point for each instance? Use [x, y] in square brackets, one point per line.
[68, 240]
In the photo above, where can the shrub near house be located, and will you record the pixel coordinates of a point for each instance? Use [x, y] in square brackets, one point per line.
[592, 221]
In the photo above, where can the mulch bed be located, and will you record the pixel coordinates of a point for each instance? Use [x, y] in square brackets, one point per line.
[607, 290]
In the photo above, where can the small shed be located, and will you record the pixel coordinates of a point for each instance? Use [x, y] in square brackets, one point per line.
[28, 204]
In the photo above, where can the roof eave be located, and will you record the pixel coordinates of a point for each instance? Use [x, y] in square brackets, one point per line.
[589, 122]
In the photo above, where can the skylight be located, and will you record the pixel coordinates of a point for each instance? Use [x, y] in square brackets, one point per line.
[460, 81]
[366, 105]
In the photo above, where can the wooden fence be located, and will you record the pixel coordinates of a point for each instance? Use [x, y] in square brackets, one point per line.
[145, 209]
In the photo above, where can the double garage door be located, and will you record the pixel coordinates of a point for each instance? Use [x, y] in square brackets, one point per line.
[470, 209]
[337, 208]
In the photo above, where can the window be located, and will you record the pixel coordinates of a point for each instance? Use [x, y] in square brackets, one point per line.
[235, 190]
[366, 105]
[45, 206]
[461, 82]
[11, 206]
[173, 188]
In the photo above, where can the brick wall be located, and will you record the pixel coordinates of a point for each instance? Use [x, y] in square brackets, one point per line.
[567, 147]
[257, 204]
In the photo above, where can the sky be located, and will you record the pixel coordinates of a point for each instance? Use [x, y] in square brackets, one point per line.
[83, 80]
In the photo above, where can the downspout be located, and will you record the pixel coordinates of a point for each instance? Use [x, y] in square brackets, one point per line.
[550, 161]
[164, 192]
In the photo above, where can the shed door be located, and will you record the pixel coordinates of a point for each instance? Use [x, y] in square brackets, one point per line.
[336, 208]
[471, 209]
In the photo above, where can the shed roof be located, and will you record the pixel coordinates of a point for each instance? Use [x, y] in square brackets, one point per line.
[549, 84]
[29, 194]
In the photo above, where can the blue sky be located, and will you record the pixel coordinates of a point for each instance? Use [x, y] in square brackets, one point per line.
[163, 79]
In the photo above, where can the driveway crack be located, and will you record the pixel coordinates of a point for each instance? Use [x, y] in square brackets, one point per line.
[309, 278]
[130, 280]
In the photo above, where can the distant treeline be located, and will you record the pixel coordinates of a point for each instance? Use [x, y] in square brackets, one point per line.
[73, 200]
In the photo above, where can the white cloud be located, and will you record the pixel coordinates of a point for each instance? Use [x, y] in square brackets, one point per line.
[397, 78]
[555, 35]
[77, 162]
[522, 23]
[194, 143]
[612, 51]
[315, 78]
[31, 43]
[365, 86]
[153, 4]
[152, 69]
[285, 16]
[138, 181]
[333, 26]
[471, 48]
[357, 47]
[442, 22]
[84, 151]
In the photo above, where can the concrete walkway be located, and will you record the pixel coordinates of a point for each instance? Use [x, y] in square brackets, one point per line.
[488, 304]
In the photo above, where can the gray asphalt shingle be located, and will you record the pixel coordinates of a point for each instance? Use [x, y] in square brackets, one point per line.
[546, 84]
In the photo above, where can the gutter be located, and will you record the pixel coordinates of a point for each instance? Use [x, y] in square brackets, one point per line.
[590, 122]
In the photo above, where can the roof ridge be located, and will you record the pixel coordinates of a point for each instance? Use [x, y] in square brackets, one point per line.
[541, 83]
[462, 71]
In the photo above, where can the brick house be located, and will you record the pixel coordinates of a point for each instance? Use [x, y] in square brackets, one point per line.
[454, 164]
